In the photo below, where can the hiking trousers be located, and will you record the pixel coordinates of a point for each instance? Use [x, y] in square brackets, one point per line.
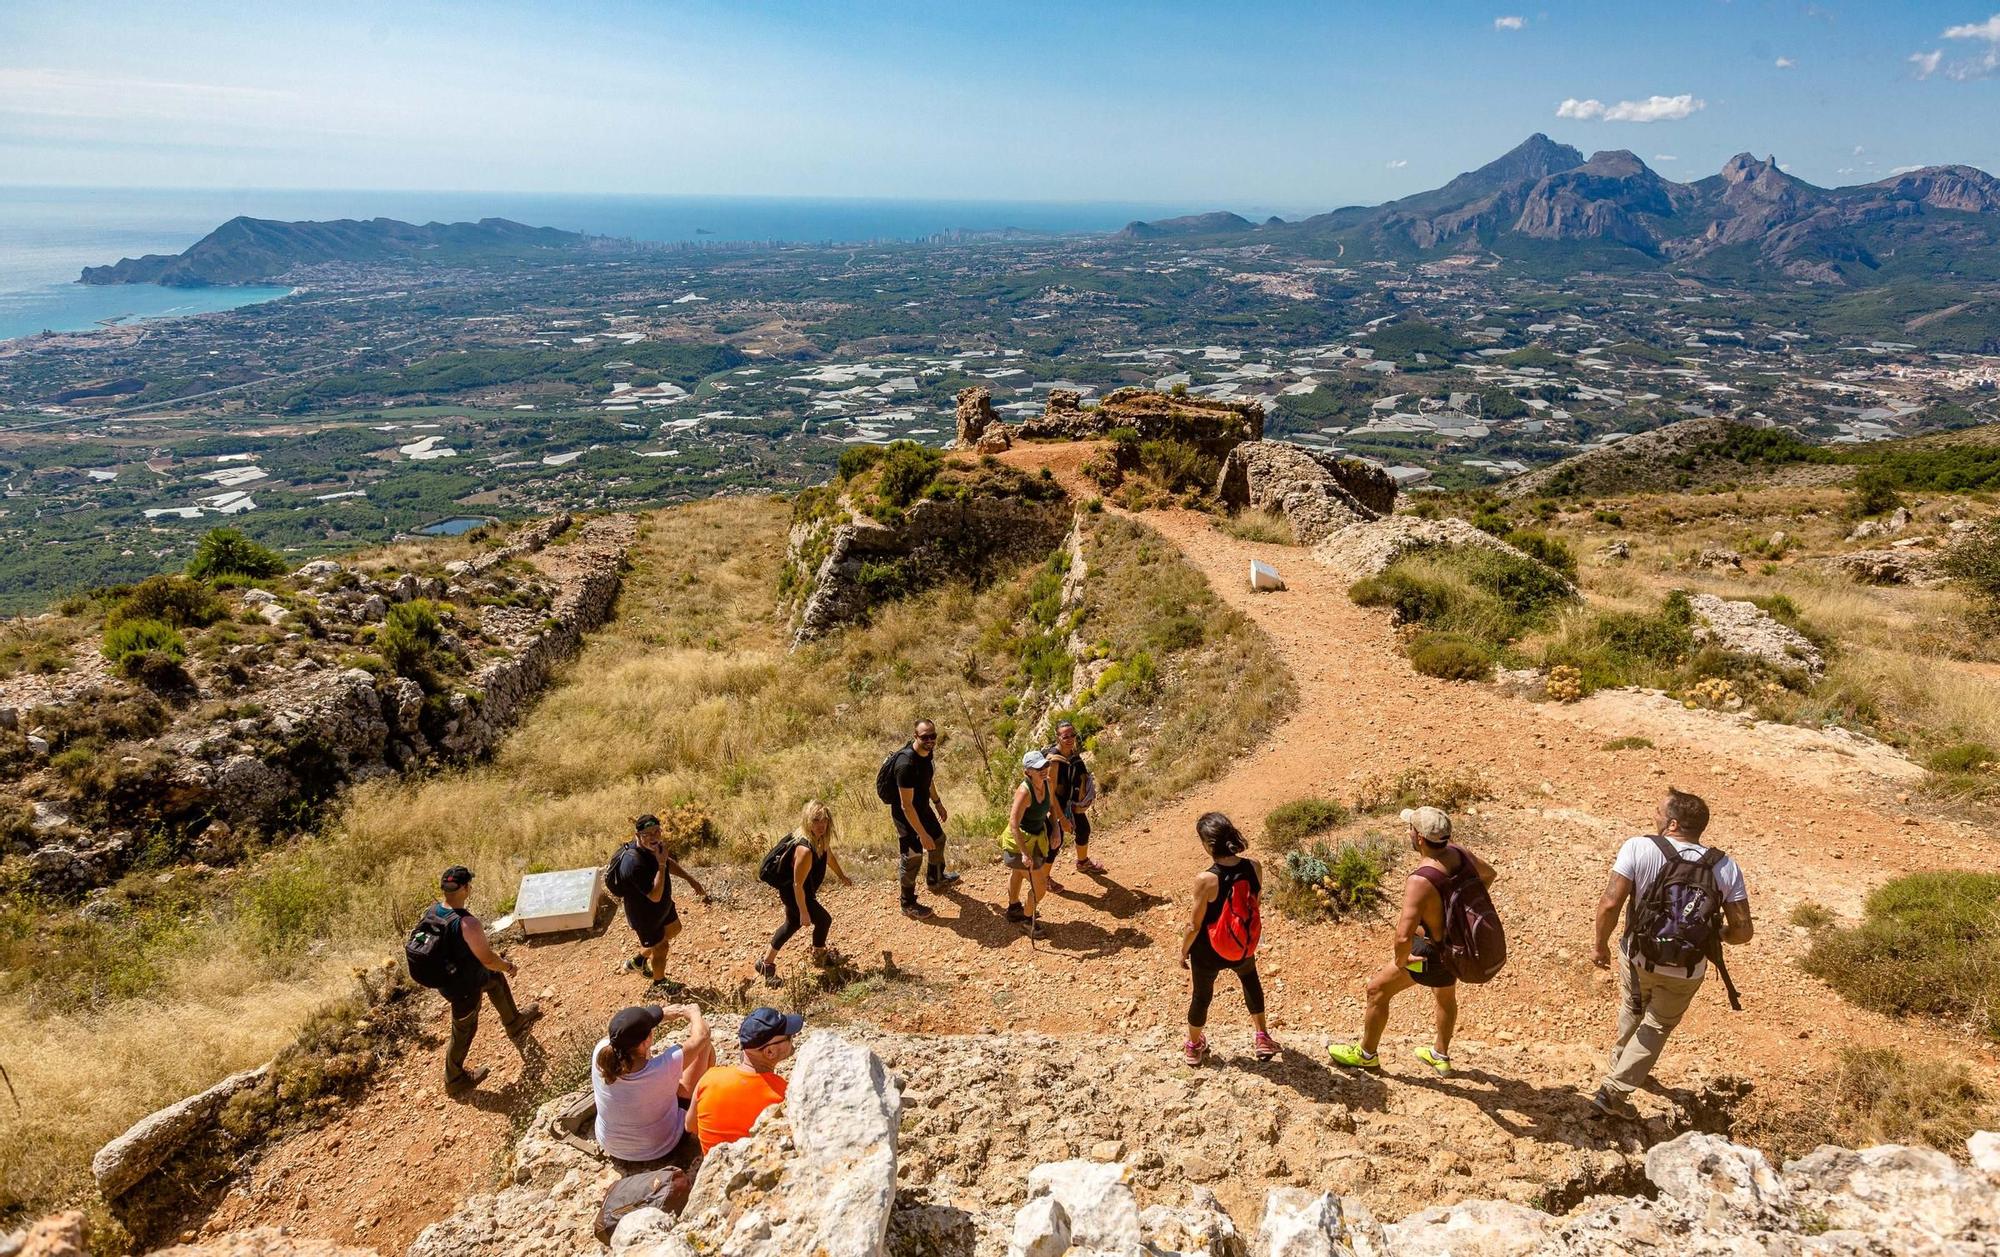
[1652, 1004]
[914, 858]
[465, 1019]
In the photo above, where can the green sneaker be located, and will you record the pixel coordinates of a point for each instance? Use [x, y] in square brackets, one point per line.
[1435, 1060]
[1351, 1055]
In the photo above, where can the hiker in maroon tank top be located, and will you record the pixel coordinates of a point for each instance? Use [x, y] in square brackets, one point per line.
[1421, 944]
[1222, 933]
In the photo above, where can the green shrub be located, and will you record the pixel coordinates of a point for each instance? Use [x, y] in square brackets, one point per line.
[1973, 561]
[173, 600]
[907, 470]
[227, 552]
[130, 638]
[1874, 492]
[1176, 632]
[1962, 757]
[1545, 549]
[856, 459]
[1629, 743]
[1928, 944]
[1450, 656]
[408, 640]
[1290, 824]
[1321, 881]
[1483, 595]
[1178, 465]
[1812, 916]
[1611, 648]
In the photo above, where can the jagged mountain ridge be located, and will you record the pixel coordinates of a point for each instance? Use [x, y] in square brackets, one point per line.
[1543, 192]
[252, 250]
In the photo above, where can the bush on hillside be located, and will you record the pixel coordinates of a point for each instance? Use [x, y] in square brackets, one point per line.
[856, 459]
[1179, 466]
[1612, 648]
[173, 600]
[1422, 786]
[1543, 548]
[1290, 824]
[150, 652]
[409, 639]
[1450, 657]
[227, 552]
[1927, 944]
[1885, 1096]
[1874, 493]
[907, 470]
[1484, 595]
[1973, 562]
[1319, 881]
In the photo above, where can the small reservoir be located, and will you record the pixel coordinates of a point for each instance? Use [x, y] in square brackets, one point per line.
[454, 526]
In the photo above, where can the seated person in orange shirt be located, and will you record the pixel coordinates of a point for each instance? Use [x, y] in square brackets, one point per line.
[729, 1098]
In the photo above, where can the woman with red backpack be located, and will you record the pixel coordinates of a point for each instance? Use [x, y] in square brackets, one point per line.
[1222, 933]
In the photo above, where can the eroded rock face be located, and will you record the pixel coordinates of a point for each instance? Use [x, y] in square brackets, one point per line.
[125, 1161]
[549, 1208]
[1318, 494]
[976, 417]
[1369, 547]
[1887, 567]
[1213, 424]
[1744, 628]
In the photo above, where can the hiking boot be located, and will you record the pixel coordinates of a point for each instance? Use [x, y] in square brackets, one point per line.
[1036, 932]
[1614, 1107]
[1351, 1055]
[465, 1082]
[1016, 913]
[1195, 1051]
[635, 965]
[769, 972]
[943, 880]
[1435, 1059]
[1264, 1046]
[918, 912]
[1090, 866]
[526, 1016]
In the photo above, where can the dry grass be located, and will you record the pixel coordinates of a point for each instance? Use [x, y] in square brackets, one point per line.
[1265, 527]
[1882, 1096]
[688, 696]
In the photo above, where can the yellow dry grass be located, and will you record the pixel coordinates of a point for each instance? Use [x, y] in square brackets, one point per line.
[690, 695]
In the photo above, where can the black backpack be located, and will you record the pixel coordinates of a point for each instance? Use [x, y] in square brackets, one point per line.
[776, 868]
[436, 951]
[614, 879]
[885, 776]
[1679, 921]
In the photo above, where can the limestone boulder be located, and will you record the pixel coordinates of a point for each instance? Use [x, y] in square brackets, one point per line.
[1717, 1177]
[1366, 549]
[1471, 1228]
[1317, 494]
[1300, 1223]
[1918, 1194]
[266, 1241]
[1744, 628]
[1095, 1198]
[975, 415]
[549, 1207]
[121, 1164]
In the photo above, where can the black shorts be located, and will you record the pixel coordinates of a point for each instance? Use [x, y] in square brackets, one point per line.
[650, 920]
[1427, 966]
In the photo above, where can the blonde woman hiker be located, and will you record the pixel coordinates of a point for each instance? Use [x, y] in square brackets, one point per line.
[1027, 845]
[795, 868]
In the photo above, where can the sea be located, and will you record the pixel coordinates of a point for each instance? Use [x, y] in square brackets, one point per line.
[48, 235]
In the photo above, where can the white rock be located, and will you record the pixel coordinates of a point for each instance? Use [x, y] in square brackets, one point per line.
[258, 597]
[1264, 577]
[1985, 1150]
[1103, 1212]
[642, 1230]
[1299, 1223]
[1717, 1177]
[1472, 1228]
[1041, 1229]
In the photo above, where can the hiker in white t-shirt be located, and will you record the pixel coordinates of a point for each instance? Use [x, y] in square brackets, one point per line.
[1655, 993]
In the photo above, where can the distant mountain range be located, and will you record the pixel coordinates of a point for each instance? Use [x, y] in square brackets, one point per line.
[1546, 201]
[257, 250]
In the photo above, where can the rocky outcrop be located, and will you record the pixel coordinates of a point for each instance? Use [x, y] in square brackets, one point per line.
[122, 1164]
[548, 1207]
[1887, 567]
[1317, 493]
[1646, 461]
[978, 427]
[841, 563]
[1366, 549]
[1212, 424]
[1744, 628]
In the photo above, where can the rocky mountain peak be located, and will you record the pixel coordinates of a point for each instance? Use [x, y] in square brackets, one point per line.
[1616, 163]
[1745, 168]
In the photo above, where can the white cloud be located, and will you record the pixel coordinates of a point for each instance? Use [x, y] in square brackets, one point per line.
[1509, 23]
[1665, 157]
[1651, 109]
[1786, 63]
[1926, 62]
[1574, 108]
[1988, 30]
[1858, 150]
[1398, 164]
[1903, 170]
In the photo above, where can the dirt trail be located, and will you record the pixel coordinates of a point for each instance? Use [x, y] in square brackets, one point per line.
[1561, 806]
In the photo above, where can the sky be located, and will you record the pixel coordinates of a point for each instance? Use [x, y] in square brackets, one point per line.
[1239, 104]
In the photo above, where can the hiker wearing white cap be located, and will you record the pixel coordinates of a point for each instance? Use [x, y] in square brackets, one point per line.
[1446, 924]
[1027, 845]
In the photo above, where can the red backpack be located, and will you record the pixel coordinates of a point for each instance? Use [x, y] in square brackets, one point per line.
[1234, 932]
[1474, 947]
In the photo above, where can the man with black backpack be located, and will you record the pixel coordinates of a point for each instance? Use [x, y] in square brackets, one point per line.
[641, 875]
[906, 782]
[1447, 933]
[448, 951]
[1686, 900]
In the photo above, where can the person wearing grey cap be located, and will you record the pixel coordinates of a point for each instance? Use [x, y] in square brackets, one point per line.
[643, 1094]
[1420, 941]
[467, 970]
[1027, 846]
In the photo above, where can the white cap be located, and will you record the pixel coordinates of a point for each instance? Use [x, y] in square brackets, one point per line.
[1431, 824]
[1033, 760]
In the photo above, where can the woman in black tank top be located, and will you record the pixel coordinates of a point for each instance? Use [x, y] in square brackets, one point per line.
[1225, 909]
[801, 898]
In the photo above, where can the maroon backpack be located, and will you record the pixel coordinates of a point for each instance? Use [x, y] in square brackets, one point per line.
[1474, 947]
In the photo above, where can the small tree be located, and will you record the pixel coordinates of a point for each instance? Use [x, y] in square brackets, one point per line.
[1874, 493]
[227, 552]
[1973, 561]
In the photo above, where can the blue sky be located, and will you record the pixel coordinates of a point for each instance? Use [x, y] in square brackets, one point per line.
[1245, 105]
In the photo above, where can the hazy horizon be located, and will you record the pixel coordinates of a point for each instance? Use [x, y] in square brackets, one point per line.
[1276, 105]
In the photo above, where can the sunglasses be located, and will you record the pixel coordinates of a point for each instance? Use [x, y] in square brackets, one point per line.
[927, 737]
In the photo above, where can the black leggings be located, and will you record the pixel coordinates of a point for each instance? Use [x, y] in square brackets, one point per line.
[1205, 965]
[822, 921]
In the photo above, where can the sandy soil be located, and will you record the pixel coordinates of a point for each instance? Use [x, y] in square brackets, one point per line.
[403, 1155]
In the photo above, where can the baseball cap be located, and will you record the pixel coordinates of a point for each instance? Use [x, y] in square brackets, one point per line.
[630, 1026]
[1431, 824]
[766, 1024]
[454, 877]
[1034, 759]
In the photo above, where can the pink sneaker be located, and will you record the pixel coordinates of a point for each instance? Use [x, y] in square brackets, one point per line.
[1194, 1051]
[1264, 1046]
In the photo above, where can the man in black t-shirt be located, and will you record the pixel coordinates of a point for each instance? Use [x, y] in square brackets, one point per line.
[919, 815]
[482, 974]
[643, 871]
